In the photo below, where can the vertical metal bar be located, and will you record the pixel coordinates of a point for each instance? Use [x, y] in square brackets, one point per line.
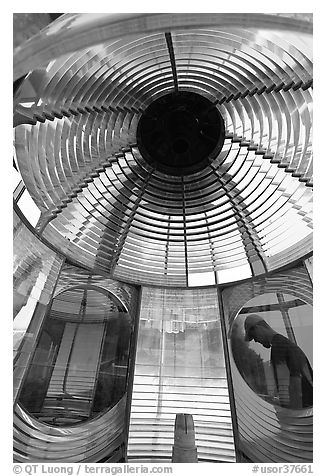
[105, 325]
[131, 370]
[286, 317]
[229, 377]
[307, 271]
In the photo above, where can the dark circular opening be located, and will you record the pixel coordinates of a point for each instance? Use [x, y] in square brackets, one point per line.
[180, 133]
[180, 146]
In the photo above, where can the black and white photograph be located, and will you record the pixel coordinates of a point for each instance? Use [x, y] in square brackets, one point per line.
[162, 241]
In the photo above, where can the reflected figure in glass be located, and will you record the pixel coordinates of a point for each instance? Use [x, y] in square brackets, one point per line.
[271, 341]
[291, 368]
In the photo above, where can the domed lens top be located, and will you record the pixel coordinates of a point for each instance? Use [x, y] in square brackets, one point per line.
[179, 132]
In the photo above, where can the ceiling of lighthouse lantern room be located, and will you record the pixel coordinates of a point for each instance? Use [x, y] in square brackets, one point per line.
[173, 153]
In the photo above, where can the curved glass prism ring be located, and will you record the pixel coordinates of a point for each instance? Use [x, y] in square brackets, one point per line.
[192, 194]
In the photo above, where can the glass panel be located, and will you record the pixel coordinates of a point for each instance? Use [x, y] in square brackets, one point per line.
[180, 367]
[79, 368]
[201, 279]
[271, 341]
[234, 274]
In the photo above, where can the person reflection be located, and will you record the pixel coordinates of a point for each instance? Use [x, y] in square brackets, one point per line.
[291, 368]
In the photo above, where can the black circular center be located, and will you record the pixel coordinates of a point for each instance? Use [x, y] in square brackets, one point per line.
[180, 132]
[180, 145]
